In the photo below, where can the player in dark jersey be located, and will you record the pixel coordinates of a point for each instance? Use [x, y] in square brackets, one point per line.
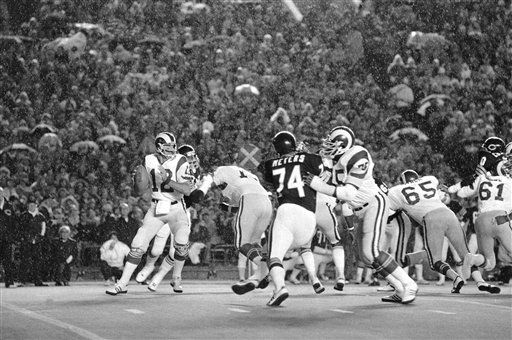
[294, 224]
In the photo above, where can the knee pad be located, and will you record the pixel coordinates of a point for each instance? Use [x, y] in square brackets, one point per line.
[274, 262]
[441, 267]
[181, 251]
[135, 255]
[384, 264]
[412, 259]
[488, 265]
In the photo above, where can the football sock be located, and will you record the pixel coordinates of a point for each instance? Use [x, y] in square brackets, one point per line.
[309, 263]
[178, 267]
[338, 256]
[277, 273]
[128, 270]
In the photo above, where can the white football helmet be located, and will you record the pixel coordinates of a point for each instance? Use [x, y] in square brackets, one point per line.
[339, 140]
[190, 153]
[165, 144]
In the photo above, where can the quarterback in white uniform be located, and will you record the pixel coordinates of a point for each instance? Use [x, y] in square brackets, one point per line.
[354, 184]
[243, 190]
[163, 234]
[167, 206]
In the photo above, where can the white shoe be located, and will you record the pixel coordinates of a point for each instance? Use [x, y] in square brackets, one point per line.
[410, 291]
[155, 281]
[278, 297]
[116, 289]
[176, 285]
[466, 266]
[386, 288]
[144, 273]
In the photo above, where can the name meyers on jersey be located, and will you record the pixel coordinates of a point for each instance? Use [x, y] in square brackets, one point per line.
[288, 160]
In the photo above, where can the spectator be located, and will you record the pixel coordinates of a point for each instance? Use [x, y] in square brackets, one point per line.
[65, 253]
[33, 229]
[112, 254]
[8, 236]
[126, 226]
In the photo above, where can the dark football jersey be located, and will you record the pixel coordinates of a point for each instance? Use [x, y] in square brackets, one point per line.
[189, 200]
[287, 177]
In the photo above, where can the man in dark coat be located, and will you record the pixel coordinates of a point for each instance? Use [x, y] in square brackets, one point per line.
[8, 237]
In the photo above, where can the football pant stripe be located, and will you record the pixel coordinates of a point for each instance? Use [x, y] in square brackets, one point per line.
[334, 222]
[399, 253]
[238, 225]
[426, 245]
[377, 227]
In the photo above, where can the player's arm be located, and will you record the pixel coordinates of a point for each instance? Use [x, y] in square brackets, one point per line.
[345, 193]
[467, 191]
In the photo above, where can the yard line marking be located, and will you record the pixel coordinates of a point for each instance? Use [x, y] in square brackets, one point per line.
[238, 310]
[470, 302]
[342, 311]
[77, 330]
[441, 312]
[134, 311]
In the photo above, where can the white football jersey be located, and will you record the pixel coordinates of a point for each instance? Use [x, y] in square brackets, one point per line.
[355, 168]
[417, 198]
[177, 169]
[494, 193]
[235, 182]
[326, 176]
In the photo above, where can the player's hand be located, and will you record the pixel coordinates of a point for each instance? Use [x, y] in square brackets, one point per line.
[325, 175]
[163, 174]
[480, 170]
[308, 178]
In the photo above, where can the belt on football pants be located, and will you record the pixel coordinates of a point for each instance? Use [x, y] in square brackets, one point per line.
[361, 207]
[503, 219]
[156, 201]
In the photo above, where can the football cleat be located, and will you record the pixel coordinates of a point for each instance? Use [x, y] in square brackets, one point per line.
[489, 288]
[152, 286]
[458, 283]
[176, 285]
[244, 286]
[339, 285]
[144, 273]
[386, 288]
[392, 298]
[115, 290]
[318, 287]
[263, 282]
[278, 297]
[410, 291]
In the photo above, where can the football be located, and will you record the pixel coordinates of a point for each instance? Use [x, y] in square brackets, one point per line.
[141, 180]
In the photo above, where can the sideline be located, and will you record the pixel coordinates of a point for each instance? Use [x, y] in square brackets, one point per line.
[77, 330]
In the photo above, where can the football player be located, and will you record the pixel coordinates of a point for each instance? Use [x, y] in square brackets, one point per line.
[160, 239]
[494, 192]
[167, 206]
[242, 190]
[491, 153]
[352, 175]
[294, 224]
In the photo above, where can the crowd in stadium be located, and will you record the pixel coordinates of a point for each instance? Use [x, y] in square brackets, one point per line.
[87, 110]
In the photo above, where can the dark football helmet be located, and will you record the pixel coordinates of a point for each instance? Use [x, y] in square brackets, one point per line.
[408, 176]
[190, 153]
[284, 142]
[494, 145]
